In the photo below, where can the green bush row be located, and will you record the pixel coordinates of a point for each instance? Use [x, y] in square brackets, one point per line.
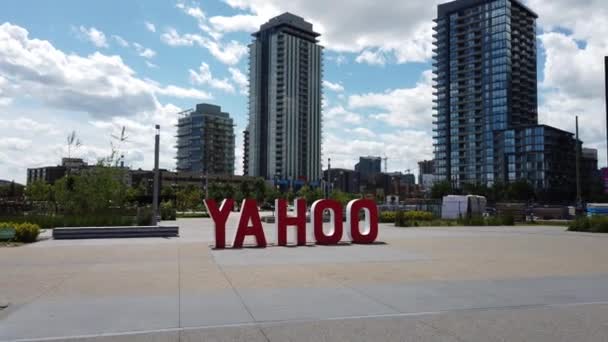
[52, 221]
[193, 215]
[502, 220]
[412, 218]
[409, 216]
[24, 232]
[594, 224]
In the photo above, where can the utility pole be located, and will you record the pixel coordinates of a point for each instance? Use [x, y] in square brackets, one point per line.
[606, 91]
[328, 177]
[156, 177]
[579, 200]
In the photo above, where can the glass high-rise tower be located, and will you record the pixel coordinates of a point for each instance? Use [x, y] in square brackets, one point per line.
[485, 82]
[283, 136]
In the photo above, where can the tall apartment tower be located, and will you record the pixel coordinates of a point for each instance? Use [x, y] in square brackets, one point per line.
[485, 82]
[283, 136]
[205, 141]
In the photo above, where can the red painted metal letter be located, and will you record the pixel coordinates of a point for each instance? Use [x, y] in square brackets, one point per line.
[249, 214]
[335, 209]
[219, 216]
[284, 221]
[370, 232]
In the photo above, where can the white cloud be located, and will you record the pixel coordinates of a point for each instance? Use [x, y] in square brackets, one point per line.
[183, 93]
[149, 26]
[121, 41]
[406, 107]
[143, 51]
[401, 29]
[362, 132]
[26, 125]
[172, 38]
[337, 116]
[345, 151]
[100, 85]
[337, 87]
[236, 23]
[204, 77]
[151, 65]
[575, 39]
[371, 57]
[93, 35]
[228, 53]
[240, 80]
[192, 11]
[339, 59]
[15, 144]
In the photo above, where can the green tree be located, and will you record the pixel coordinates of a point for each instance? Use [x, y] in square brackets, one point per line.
[38, 191]
[520, 190]
[12, 191]
[91, 191]
[271, 193]
[259, 190]
[245, 189]
[441, 189]
[189, 198]
[342, 197]
[310, 194]
[167, 192]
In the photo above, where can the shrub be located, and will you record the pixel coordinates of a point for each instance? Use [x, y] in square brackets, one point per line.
[26, 232]
[412, 218]
[594, 224]
[193, 215]
[144, 216]
[387, 217]
[507, 219]
[167, 211]
[109, 219]
[418, 216]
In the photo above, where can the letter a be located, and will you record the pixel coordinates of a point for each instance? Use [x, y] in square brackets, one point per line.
[249, 213]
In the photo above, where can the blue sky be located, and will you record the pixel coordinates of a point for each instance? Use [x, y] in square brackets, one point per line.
[96, 66]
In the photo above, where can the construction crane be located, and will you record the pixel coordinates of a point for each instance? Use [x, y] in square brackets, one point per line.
[385, 163]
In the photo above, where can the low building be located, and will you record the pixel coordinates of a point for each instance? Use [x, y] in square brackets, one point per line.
[368, 167]
[182, 179]
[344, 180]
[590, 174]
[51, 174]
[542, 155]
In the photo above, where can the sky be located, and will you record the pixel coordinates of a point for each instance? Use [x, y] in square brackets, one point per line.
[96, 66]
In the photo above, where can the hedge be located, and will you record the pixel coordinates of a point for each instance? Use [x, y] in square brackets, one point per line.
[24, 232]
[595, 224]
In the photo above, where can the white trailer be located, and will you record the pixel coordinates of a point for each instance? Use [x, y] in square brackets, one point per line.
[456, 206]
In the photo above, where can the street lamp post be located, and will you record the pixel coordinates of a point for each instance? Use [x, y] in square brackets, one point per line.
[156, 177]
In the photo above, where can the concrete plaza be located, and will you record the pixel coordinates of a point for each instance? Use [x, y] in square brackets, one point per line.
[421, 284]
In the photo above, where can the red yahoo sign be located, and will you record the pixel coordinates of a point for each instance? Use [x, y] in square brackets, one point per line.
[250, 223]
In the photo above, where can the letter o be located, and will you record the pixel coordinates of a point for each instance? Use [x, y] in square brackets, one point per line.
[370, 231]
[335, 234]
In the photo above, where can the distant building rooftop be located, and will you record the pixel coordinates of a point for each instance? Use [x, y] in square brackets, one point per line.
[449, 7]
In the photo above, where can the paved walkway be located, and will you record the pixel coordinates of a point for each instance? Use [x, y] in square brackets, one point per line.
[422, 284]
